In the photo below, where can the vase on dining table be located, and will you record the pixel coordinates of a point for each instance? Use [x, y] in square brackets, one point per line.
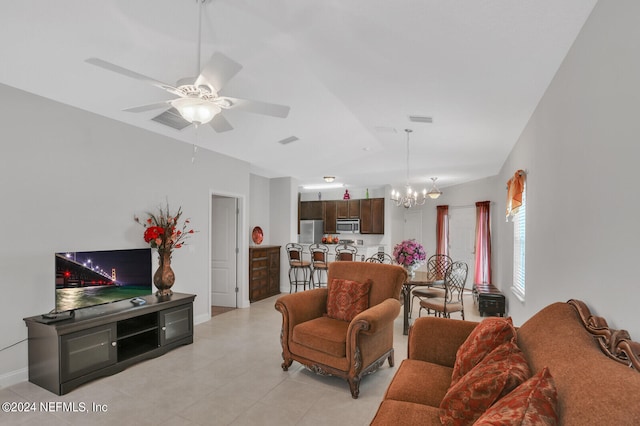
[411, 270]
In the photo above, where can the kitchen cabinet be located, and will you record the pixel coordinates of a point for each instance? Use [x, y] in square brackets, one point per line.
[330, 216]
[264, 272]
[105, 339]
[372, 216]
[348, 209]
[311, 210]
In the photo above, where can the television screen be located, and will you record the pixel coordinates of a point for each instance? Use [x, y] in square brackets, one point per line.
[91, 278]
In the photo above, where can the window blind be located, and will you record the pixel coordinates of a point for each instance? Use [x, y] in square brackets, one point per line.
[519, 244]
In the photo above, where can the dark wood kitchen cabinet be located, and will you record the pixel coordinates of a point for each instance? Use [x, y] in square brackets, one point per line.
[348, 209]
[311, 210]
[330, 215]
[264, 272]
[372, 216]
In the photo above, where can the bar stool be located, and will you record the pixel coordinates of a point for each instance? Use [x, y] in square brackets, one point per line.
[320, 264]
[346, 252]
[298, 266]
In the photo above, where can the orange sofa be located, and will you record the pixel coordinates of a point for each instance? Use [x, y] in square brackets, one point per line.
[589, 363]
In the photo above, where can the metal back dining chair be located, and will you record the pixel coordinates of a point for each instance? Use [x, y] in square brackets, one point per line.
[437, 266]
[455, 279]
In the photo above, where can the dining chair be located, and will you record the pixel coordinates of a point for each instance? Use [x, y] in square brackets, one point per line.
[437, 266]
[455, 279]
[381, 257]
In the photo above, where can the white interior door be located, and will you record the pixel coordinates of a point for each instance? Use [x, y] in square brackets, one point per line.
[224, 256]
[462, 238]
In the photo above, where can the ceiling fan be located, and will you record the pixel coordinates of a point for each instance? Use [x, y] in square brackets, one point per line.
[198, 102]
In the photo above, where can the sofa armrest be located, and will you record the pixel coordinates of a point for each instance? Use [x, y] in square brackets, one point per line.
[437, 340]
[378, 316]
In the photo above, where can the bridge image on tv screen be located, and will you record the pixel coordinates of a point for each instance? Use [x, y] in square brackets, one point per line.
[95, 277]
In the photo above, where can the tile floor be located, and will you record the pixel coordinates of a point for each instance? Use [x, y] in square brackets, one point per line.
[231, 375]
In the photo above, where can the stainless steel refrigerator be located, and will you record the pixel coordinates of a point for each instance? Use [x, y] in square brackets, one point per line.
[310, 231]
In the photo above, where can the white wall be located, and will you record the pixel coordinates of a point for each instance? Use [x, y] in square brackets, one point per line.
[283, 211]
[581, 152]
[259, 210]
[72, 180]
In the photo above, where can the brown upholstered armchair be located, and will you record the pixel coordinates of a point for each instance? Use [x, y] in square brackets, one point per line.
[347, 349]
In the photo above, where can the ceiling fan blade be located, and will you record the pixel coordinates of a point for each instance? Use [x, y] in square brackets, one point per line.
[132, 74]
[218, 71]
[258, 107]
[220, 124]
[149, 107]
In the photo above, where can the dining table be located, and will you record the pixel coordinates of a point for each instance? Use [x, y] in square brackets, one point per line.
[417, 279]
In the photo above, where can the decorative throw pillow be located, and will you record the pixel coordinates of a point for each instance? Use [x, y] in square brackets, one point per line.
[504, 369]
[347, 298]
[532, 403]
[488, 335]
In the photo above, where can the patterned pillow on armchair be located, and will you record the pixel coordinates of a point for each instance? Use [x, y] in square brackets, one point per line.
[347, 298]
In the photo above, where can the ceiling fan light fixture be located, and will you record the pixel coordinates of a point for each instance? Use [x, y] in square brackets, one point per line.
[195, 110]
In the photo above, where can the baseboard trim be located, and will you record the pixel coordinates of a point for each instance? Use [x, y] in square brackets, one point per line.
[13, 377]
[201, 318]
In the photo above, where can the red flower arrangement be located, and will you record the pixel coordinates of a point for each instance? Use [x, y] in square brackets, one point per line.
[163, 231]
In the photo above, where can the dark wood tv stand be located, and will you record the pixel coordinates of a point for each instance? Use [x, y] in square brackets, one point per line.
[104, 340]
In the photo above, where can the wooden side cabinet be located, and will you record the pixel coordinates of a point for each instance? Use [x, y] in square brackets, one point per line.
[264, 272]
[104, 340]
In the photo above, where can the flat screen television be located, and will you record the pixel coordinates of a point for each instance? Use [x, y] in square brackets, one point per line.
[90, 278]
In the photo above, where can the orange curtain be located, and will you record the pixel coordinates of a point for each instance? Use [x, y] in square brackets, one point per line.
[483, 243]
[442, 230]
[515, 187]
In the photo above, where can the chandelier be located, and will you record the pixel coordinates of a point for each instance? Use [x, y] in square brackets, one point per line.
[410, 198]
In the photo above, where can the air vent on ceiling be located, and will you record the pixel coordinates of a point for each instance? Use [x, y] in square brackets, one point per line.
[288, 140]
[420, 119]
[171, 118]
[384, 129]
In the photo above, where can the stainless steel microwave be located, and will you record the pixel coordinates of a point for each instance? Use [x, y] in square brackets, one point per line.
[348, 226]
